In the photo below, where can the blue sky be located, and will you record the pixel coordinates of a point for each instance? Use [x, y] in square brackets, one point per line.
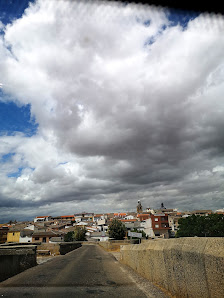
[181, 17]
[12, 9]
[14, 119]
[126, 104]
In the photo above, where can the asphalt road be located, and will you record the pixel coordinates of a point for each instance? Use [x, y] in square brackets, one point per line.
[88, 271]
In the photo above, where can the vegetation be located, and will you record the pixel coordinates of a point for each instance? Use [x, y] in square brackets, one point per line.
[69, 237]
[79, 234]
[201, 226]
[117, 230]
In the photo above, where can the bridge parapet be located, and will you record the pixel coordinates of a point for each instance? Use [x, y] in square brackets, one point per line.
[114, 245]
[15, 259]
[186, 267]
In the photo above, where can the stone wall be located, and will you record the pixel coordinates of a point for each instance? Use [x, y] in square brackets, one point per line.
[15, 259]
[68, 246]
[114, 245]
[186, 267]
[54, 248]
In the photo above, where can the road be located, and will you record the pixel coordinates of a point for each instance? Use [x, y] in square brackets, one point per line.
[88, 271]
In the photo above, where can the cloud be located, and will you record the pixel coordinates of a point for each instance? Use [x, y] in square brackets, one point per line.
[119, 117]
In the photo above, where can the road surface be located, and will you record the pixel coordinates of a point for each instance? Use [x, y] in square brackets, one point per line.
[88, 271]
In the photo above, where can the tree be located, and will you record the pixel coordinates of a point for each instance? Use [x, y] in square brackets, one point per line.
[117, 229]
[201, 226]
[69, 237]
[80, 234]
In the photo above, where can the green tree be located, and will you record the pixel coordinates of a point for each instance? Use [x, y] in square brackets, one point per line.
[80, 234]
[201, 226]
[117, 229]
[69, 237]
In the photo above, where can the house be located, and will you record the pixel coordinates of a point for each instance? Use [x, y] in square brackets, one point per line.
[160, 224]
[129, 216]
[99, 236]
[42, 218]
[164, 210]
[26, 236]
[29, 227]
[81, 224]
[3, 234]
[44, 237]
[68, 217]
[84, 216]
[120, 215]
[173, 223]
[13, 235]
[92, 229]
[58, 227]
[143, 216]
[98, 217]
[57, 239]
[148, 228]
[150, 210]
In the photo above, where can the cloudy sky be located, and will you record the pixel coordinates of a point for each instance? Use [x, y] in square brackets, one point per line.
[102, 104]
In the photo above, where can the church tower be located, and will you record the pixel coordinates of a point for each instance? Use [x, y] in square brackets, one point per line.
[139, 207]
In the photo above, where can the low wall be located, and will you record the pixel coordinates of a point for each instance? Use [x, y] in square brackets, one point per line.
[186, 267]
[19, 243]
[54, 248]
[15, 259]
[68, 246]
[114, 245]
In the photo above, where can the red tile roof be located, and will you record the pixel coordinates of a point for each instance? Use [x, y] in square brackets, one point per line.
[120, 214]
[42, 216]
[143, 215]
[67, 215]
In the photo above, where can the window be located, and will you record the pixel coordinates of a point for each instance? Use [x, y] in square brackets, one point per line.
[37, 238]
[156, 219]
[156, 226]
[13, 234]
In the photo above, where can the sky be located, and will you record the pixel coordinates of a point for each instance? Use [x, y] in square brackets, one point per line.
[103, 104]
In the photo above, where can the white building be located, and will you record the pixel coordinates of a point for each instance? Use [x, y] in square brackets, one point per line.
[99, 236]
[29, 227]
[41, 218]
[25, 236]
[148, 228]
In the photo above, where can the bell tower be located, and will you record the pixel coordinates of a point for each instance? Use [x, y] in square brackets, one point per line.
[139, 207]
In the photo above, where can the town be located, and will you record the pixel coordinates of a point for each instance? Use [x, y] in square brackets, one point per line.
[98, 252]
[154, 223]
